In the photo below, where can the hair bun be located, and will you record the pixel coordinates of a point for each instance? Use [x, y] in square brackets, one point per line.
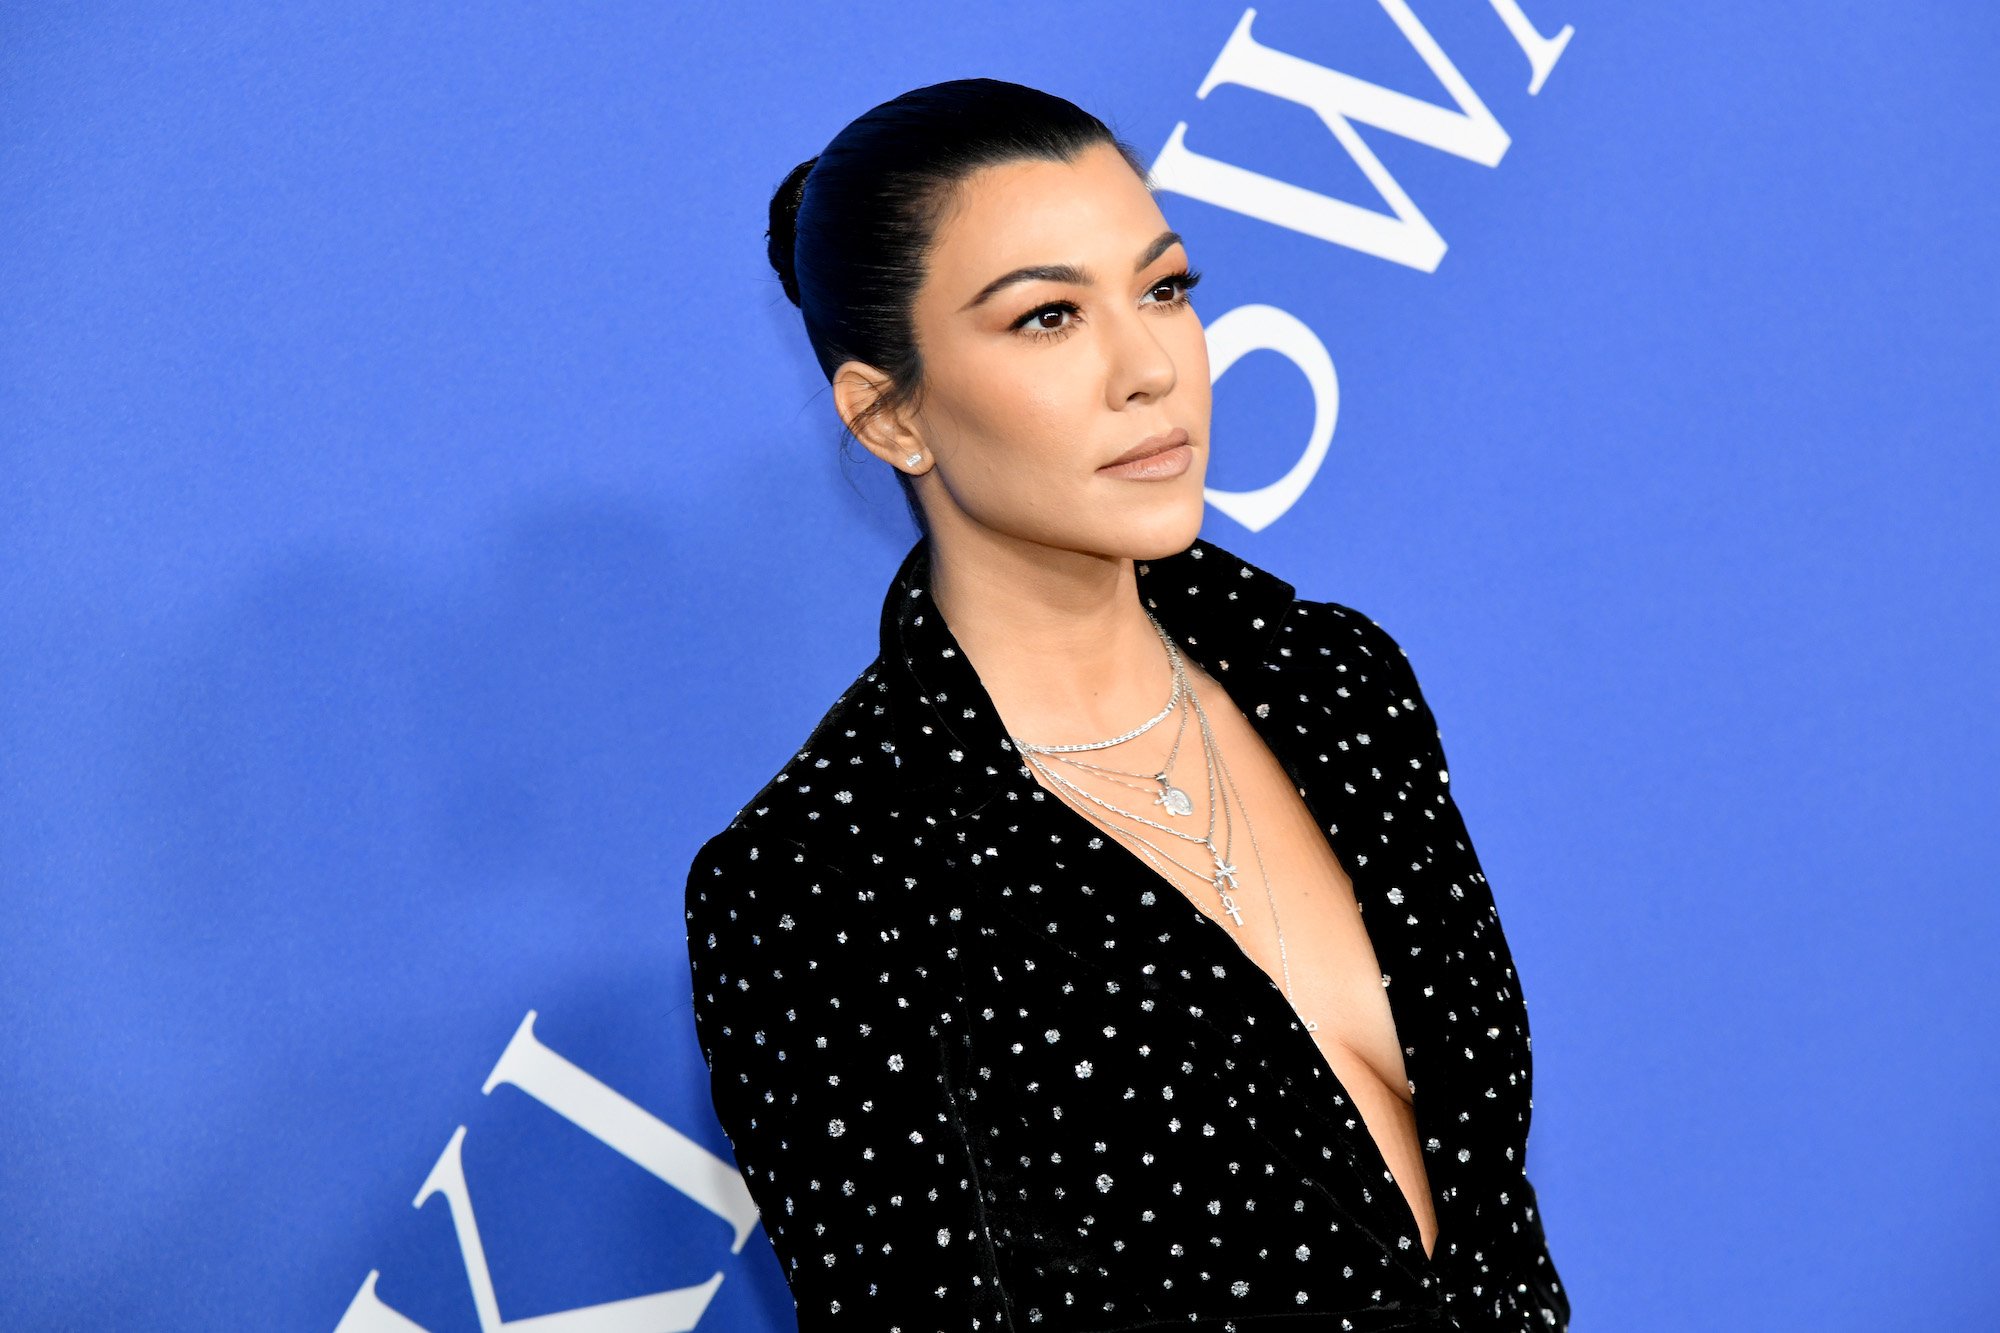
[782, 238]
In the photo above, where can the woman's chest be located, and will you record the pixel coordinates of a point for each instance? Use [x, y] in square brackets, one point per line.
[1239, 842]
[1100, 999]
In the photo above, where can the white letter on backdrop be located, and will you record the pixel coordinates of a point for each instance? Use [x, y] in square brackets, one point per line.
[1542, 52]
[367, 1314]
[1339, 99]
[622, 1125]
[1254, 328]
[662, 1312]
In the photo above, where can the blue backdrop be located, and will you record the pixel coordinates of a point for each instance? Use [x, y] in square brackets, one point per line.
[397, 410]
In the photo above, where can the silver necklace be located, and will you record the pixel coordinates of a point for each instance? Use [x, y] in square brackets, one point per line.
[1165, 793]
[1168, 795]
[1221, 797]
[1223, 876]
[1284, 958]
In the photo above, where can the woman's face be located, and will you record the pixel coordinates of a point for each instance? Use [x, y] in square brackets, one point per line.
[1035, 381]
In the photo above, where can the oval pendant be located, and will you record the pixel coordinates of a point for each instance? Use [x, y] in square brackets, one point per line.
[1176, 801]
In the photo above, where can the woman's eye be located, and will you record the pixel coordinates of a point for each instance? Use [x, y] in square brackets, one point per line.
[1035, 323]
[1180, 284]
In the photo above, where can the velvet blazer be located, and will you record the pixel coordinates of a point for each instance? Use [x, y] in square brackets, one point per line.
[982, 1067]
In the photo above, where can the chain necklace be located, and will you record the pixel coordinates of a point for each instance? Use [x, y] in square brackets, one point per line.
[1166, 793]
[1223, 876]
[1222, 795]
[1173, 798]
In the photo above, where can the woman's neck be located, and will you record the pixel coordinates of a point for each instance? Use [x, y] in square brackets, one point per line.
[1059, 639]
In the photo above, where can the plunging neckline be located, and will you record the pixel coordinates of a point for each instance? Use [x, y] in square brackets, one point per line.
[1371, 1148]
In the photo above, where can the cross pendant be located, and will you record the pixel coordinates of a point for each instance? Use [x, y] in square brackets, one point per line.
[1224, 870]
[1229, 906]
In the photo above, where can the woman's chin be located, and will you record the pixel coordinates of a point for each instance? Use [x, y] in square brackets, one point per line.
[1167, 521]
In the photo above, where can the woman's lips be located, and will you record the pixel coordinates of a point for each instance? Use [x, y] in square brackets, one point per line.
[1153, 467]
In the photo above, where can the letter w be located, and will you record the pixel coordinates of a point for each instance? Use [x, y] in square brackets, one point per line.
[1341, 100]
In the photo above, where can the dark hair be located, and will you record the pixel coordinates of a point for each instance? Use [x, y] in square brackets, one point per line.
[850, 228]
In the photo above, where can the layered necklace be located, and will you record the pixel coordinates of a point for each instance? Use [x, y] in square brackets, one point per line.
[1223, 800]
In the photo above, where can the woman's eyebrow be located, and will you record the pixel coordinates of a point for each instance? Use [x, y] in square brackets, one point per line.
[1069, 273]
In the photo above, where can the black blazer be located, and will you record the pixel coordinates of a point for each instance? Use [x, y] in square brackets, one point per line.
[984, 1068]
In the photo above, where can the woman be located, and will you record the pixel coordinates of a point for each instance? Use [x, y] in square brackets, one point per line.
[1034, 989]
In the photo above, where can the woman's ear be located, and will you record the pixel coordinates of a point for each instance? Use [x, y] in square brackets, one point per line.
[888, 434]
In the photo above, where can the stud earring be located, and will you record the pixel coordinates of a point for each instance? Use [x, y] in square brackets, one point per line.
[913, 459]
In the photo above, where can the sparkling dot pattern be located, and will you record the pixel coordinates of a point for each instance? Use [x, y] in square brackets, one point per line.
[983, 1068]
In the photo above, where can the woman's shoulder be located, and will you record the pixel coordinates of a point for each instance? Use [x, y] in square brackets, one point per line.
[790, 826]
[1353, 638]
[758, 896]
[786, 890]
[1369, 670]
[751, 875]
[1310, 629]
